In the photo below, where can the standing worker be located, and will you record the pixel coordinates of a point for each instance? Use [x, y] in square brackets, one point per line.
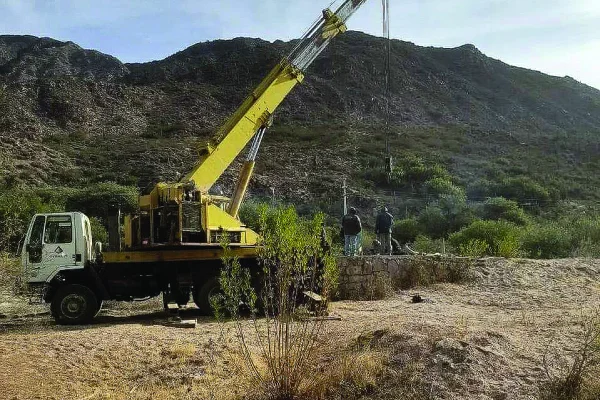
[352, 228]
[383, 229]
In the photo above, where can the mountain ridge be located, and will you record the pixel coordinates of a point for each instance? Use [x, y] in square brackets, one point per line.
[64, 103]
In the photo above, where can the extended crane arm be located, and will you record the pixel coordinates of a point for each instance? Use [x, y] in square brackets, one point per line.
[256, 110]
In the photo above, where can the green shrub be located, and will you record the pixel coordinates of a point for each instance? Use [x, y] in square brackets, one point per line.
[366, 239]
[547, 240]
[480, 189]
[10, 270]
[474, 248]
[449, 214]
[425, 244]
[501, 208]
[586, 233]
[406, 230]
[437, 187]
[501, 237]
[250, 214]
[522, 189]
[433, 222]
[586, 248]
[413, 170]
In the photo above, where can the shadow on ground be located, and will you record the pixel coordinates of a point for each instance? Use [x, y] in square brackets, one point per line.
[43, 321]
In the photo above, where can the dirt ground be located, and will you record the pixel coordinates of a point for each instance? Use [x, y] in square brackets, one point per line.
[480, 340]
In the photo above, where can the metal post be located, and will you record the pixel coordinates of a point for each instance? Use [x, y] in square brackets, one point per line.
[345, 199]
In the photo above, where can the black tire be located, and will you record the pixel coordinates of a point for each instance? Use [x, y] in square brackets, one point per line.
[203, 294]
[74, 305]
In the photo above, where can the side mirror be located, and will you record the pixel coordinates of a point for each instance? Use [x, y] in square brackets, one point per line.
[98, 247]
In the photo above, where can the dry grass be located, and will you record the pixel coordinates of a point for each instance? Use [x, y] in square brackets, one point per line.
[349, 374]
[130, 354]
[427, 270]
[341, 373]
[181, 352]
[575, 375]
[378, 287]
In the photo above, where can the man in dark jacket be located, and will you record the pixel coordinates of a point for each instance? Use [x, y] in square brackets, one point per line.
[352, 228]
[383, 229]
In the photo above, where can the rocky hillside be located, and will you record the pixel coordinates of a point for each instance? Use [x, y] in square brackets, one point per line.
[71, 116]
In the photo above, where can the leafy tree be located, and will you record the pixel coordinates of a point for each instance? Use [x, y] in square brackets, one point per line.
[250, 214]
[434, 222]
[522, 189]
[17, 206]
[406, 230]
[103, 199]
[437, 187]
[293, 262]
[449, 214]
[99, 233]
[500, 208]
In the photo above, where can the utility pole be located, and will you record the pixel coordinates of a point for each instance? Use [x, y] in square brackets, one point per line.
[345, 198]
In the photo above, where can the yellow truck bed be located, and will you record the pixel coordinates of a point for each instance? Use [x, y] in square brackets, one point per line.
[177, 253]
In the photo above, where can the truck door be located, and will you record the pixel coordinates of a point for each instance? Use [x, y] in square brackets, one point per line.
[32, 255]
[55, 249]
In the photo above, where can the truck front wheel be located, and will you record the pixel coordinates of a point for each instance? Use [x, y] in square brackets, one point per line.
[74, 304]
[203, 294]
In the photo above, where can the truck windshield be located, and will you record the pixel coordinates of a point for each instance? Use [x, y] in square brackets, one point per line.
[58, 230]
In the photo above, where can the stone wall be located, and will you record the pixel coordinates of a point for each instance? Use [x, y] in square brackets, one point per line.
[371, 277]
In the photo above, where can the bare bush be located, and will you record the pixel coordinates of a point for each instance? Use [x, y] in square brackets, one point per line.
[378, 287]
[574, 376]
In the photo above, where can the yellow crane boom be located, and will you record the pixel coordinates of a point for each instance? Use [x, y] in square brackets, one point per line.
[184, 212]
[258, 107]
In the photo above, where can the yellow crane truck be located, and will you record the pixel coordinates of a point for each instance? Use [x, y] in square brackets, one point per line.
[172, 243]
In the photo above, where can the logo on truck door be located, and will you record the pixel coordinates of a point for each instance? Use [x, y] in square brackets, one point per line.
[57, 253]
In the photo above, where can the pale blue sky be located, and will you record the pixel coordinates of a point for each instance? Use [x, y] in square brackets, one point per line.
[559, 37]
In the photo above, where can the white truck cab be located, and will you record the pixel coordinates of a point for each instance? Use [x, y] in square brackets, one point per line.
[56, 242]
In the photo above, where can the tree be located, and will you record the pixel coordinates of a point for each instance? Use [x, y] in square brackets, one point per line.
[501, 238]
[522, 189]
[406, 230]
[293, 262]
[500, 208]
[437, 187]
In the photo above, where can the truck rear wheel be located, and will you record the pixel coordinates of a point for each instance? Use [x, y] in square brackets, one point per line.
[203, 294]
[74, 304]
